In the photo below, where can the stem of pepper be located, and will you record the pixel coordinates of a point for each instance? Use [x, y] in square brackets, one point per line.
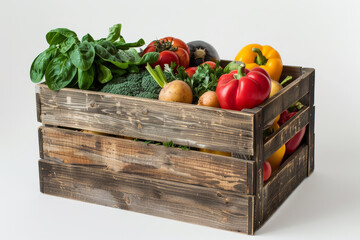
[260, 58]
[240, 72]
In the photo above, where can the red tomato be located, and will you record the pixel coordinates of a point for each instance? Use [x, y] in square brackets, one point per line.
[177, 46]
[190, 71]
[211, 64]
[166, 57]
[266, 171]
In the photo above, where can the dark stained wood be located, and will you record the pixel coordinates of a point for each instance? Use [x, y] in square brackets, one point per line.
[184, 124]
[311, 140]
[259, 160]
[38, 106]
[310, 137]
[184, 202]
[149, 160]
[286, 132]
[285, 98]
[282, 184]
[293, 71]
[41, 143]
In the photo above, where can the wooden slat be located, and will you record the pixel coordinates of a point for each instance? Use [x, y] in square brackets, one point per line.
[38, 107]
[258, 168]
[293, 71]
[286, 132]
[149, 160]
[285, 180]
[184, 202]
[310, 137]
[286, 97]
[311, 140]
[184, 124]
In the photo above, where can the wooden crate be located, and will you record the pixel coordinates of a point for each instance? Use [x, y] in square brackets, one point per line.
[112, 169]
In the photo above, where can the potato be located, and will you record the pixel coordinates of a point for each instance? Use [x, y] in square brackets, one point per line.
[176, 91]
[209, 99]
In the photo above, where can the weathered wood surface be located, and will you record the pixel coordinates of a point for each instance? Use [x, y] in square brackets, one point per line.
[205, 206]
[282, 184]
[286, 132]
[259, 160]
[149, 160]
[286, 97]
[184, 124]
[310, 137]
[311, 141]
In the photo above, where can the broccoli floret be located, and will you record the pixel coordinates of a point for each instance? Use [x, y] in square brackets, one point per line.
[134, 84]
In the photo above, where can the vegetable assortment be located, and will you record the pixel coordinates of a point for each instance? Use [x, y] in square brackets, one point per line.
[168, 69]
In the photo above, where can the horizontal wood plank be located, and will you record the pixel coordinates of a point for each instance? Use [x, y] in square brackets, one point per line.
[184, 124]
[205, 206]
[286, 132]
[149, 160]
[286, 97]
[285, 180]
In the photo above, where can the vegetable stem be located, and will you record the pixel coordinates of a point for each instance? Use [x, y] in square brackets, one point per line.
[288, 78]
[157, 75]
[240, 71]
[260, 58]
[160, 73]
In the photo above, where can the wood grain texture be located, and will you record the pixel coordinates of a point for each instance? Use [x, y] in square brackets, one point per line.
[286, 132]
[38, 107]
[184, 124]
[205, 206]
[286, 97]
[259, 160]
[149, 160]
[310, 137]
[282, 184]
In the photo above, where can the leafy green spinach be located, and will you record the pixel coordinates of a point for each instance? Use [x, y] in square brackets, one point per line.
[89, 63]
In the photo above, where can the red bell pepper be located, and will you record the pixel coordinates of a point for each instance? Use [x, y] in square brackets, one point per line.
[243, 88]
[295, 141]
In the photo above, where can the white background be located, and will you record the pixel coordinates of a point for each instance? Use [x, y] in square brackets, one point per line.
[320, 34]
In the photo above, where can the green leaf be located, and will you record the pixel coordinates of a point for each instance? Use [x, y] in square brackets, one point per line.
[59, 72]
[123, 56]
[104, 52]
[86, 78]
[83, 55]
[39, 65]
[133, 55]
[114, 33]
[58, 35]
[66, 45]
[108, 46]
[149, 57]
[87, 38]
[103, 73]
[125, 46]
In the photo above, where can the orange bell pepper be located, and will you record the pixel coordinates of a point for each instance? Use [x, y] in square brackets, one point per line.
[255, 55]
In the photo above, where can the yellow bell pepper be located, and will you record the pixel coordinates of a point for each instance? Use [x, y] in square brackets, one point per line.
[215, 152]
[276, 158]
[255, 55]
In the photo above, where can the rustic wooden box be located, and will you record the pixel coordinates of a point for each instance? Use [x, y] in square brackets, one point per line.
[188, 185]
